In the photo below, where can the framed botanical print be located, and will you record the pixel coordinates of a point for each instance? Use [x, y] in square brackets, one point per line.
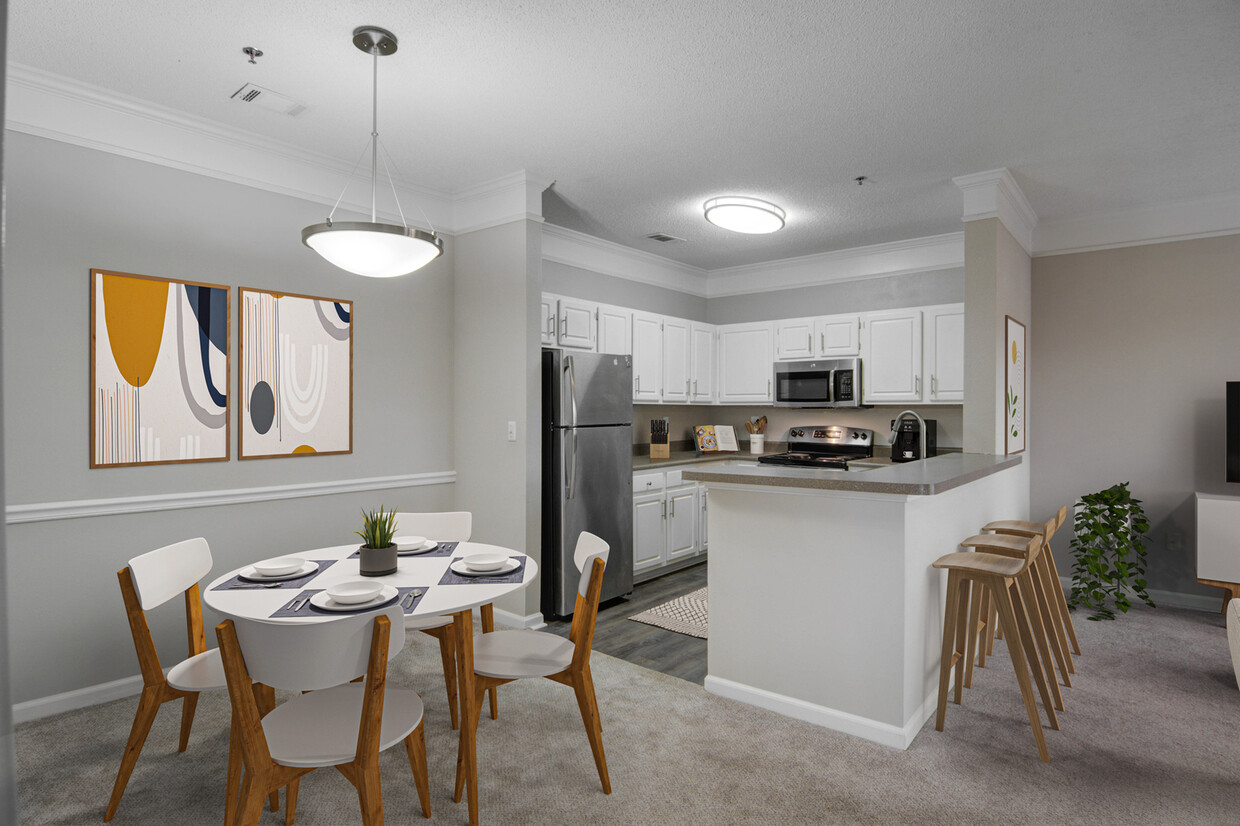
[1014, 386]
[296, 375]
[159, 371]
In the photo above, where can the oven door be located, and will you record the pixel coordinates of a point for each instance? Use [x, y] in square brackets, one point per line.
[802, 384]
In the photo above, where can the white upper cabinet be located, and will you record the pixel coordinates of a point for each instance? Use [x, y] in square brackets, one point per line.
[794, 339]
[676, 381]
[891, 349]
[944, 352]
[837, 335]
[746, 354]
[647, 357]
[615, 330]
[702, 362]
[576, 324]
[547, 311]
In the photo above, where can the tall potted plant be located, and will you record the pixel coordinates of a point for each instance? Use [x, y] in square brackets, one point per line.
[377, 556]
[1109, 545]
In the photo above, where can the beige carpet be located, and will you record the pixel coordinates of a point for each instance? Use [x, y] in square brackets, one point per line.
[1150, 736]
[688, 614]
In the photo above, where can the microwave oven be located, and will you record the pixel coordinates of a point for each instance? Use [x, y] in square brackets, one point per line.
[818, 383]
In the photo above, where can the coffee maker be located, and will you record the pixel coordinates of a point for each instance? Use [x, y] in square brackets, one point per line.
[905, 447]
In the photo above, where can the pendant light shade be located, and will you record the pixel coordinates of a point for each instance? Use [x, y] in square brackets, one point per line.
[748, 215]
[371, 248]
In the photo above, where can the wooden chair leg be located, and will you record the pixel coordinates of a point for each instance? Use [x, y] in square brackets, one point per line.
[989, 620]
[1037, 630]
[265, 697]
[232, 785]
[1008, 617]
[583, 687]
[370, 795]
[1022, 637]
[415, 746]
[487, 613]
[950, 612]
[148, 707]
[290, 800]
[447, 653]
[188, 705]
[250, 807]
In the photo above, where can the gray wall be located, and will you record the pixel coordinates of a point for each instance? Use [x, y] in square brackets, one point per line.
[71, 209]
[588, 285]
[887, 293]
[1133, 349]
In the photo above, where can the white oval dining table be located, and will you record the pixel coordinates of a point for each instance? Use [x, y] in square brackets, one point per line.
[419, 571]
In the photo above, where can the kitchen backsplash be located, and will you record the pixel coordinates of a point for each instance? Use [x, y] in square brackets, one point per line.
[950, 420]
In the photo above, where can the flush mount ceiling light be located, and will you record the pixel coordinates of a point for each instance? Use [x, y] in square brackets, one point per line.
[749, 215]
[368, 247]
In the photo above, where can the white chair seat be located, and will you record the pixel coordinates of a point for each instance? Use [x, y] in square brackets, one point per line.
[320, 728]
[201, 672]
[426, 623]
[520, 654]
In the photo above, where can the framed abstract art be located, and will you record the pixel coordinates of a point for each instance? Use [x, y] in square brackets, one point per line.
[159, 371]
[296, 375]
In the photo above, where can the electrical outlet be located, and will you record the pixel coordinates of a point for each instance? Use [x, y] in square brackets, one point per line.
[512, 431]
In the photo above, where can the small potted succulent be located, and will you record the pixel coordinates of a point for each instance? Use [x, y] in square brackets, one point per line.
[377, 556]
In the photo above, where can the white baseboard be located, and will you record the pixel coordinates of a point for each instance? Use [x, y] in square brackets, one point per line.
[1171, 599]
[78, 698]
[882, 733]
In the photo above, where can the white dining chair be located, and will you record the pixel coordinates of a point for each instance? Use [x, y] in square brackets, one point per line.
[505, 656]
[445, 526]
[146, 582]
[336, 723]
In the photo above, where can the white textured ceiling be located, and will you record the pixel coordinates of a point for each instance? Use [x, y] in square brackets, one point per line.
[641, 110]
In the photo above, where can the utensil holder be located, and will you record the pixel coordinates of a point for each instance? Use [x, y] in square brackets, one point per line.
[757, 442]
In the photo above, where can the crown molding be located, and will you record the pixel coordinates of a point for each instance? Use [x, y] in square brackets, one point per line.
[576, 249]
[508, 198]
[51, 106]
[995, 194]
[1179, 221]
[938, 252]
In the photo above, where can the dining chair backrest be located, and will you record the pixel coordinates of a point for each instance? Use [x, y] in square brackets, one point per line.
[445, 526]
[588, 547]
[305, 657]
[166, 572]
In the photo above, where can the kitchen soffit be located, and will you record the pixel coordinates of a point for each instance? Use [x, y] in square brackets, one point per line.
[641, 114]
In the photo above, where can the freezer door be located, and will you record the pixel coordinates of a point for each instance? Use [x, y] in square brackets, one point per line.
[596, 495]
[594, 388]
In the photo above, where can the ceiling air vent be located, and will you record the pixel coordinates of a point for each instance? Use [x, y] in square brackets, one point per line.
[664, 238]
[269, 100]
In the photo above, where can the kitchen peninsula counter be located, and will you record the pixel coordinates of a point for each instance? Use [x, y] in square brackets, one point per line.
[824, 602]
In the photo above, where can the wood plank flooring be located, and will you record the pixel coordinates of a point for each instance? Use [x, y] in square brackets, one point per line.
[655, 648]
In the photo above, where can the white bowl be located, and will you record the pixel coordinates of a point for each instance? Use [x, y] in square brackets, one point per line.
[409, 543]
[485, 562]
[279, 566]
[354, 591]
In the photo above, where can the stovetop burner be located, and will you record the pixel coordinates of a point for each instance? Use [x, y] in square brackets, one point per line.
[824, 446]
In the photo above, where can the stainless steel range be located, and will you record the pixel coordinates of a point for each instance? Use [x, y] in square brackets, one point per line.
[824, 446]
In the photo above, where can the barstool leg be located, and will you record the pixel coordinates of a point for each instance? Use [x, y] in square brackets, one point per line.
[1051, 621]
[962, 635]
[1061, 601]
[976, 628]
[1021, 636]
[950, 612]
[1008, 617]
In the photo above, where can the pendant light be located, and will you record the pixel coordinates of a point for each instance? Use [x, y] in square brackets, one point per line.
[748, 215]
[372, 248]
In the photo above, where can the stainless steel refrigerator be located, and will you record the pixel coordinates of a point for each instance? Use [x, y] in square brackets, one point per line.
[587, 470]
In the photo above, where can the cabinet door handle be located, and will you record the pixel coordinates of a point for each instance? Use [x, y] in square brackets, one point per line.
[822, 340]
[809, 342]
[934, 386]
[637, 388]
[686, 387]
[768, 387]
[695, 381]
[665, 509]
[564, 325]
[673, 507]
[917, 385]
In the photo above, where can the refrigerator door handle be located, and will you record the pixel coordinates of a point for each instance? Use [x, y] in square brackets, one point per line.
[572, 387]
[571, 470]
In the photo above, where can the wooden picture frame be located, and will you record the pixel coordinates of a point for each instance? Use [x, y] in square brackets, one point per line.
[1015, 386]
[160, 370]
[296, 357]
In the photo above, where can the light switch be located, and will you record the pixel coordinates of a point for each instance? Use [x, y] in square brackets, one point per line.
[512, 431]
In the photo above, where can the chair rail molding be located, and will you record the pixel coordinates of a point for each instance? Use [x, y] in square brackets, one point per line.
[82, 508]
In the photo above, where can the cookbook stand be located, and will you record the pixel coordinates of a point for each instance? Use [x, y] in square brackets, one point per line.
[715, 438]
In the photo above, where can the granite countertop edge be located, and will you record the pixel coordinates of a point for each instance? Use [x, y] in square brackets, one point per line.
[944, 472]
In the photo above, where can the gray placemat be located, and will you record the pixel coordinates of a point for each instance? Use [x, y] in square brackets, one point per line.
[286, 610]
[444, 549]
[451, 577]
[236, 583]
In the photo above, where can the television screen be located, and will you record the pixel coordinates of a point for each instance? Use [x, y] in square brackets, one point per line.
[1233, 431]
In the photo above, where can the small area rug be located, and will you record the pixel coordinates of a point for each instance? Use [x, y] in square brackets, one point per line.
[684, 615]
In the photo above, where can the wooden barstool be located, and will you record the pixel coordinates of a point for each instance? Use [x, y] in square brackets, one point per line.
[1058, 598]
[1034, 590]
[998, 577]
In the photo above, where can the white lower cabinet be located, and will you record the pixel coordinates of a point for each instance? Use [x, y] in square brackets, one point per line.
[668, 520]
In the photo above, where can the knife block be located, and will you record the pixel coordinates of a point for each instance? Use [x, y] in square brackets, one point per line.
[658, 445]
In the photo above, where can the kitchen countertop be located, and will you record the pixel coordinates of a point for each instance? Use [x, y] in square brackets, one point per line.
[925, 478]
[692, 457]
